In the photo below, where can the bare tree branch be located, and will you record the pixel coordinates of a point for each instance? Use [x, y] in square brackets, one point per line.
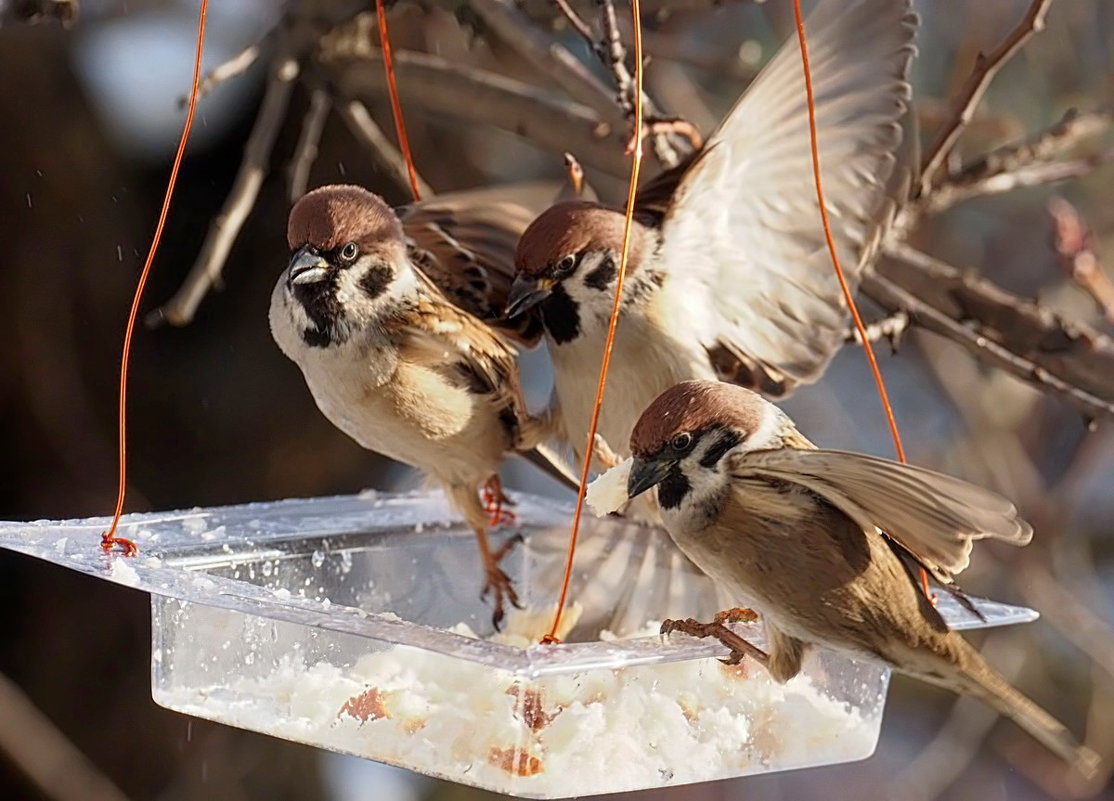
[364, 127]
[481, 97]
[1067, 359]
[548, 56]
[179, 310]
[305, 153]
[986, 67]
[44, 755]
[232, 68]
[1025, 163]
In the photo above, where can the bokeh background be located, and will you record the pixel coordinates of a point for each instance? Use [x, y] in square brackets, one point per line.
[89, 117]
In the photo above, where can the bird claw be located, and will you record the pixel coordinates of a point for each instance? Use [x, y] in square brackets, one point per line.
[738, 646]
[603, 453]
[499, 584]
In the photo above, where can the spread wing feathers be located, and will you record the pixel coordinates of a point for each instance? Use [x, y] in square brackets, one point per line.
[437, 334]
[743, 233]
[933, 516]
[465, 243]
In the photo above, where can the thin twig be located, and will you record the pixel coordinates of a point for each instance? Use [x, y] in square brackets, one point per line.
[893, 296]
[43, 754]
[1025, 163]
[577, 22]
[547, 55]
[390, 158]
[473, 95]
[179, 310]
[986, 67]
[233, 67]
[305, 153]
[1075, 242]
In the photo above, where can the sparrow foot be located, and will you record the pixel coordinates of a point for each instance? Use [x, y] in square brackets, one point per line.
[110, 542]
[494, 502]
[669, 125]
[500, 586]
[717, 628]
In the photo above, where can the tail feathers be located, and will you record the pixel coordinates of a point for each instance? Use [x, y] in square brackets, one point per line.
[987, 685]
[549, 462]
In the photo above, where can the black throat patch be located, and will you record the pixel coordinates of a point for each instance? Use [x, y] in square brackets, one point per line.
[673, 488]
[560, 316]
[319, 300]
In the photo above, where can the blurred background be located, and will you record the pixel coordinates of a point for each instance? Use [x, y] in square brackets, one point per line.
[89, 118]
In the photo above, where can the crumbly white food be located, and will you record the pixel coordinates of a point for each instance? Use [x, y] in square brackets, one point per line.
[608, 493]
[598, 730]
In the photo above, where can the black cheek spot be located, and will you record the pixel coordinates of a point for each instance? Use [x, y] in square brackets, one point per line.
[673, 489]
[601, 277]
[560, 316]
[375, 281]
[727, 440]
[316, 338]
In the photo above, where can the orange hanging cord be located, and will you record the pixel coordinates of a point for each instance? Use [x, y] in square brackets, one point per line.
[632, 190]
[109, 540]
[396, 106]
[847, 296]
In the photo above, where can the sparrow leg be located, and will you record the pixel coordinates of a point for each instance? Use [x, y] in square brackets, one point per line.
[498, 583]
[494, 501]
[717, 628]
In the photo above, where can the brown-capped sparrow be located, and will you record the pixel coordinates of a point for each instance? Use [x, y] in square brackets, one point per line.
[382, 315]
[796, 533]
[728, 273]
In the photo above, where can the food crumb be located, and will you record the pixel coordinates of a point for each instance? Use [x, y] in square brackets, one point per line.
[370, 705]
[515, 761]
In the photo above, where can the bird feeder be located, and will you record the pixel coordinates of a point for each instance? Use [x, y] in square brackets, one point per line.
[355, 624]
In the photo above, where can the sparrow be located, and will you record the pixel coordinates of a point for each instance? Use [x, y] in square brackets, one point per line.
[728, 272]
[796, 533]
[383, 314]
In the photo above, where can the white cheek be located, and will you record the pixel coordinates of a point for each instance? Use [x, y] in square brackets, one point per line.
[769, 429]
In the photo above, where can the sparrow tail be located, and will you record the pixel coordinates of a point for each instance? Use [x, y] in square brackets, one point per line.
[985, 684]
[546, 459]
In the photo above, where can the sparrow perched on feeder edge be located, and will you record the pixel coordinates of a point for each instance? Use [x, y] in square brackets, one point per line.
[728, 272]
[796, 533]
[383, 316]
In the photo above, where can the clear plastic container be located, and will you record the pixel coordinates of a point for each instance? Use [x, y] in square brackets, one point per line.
[355, 624]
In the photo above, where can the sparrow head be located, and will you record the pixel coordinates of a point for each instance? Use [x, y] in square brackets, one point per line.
[347, 258]
[680, 441]
[567, 262]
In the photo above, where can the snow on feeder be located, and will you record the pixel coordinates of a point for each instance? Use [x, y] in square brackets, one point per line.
[355, 624]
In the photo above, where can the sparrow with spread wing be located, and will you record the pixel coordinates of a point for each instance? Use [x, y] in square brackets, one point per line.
[796, 533]
[729, 275]
[383, 316]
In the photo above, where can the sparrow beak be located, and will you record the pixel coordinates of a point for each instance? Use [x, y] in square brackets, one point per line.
[646, 473]
[306, 267]
[526, 293]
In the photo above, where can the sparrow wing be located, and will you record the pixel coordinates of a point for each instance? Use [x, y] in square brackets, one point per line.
[742, 231]
[465, 243]
[935, 517]
[437, 333]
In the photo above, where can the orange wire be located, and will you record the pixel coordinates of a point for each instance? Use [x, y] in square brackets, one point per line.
[882, 394]
[396, 107]
[632, 189]
[109, 538]
[831, 242]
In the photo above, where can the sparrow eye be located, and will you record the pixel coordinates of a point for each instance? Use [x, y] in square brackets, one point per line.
[682, 442]
[565, 265]
[349, 252]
